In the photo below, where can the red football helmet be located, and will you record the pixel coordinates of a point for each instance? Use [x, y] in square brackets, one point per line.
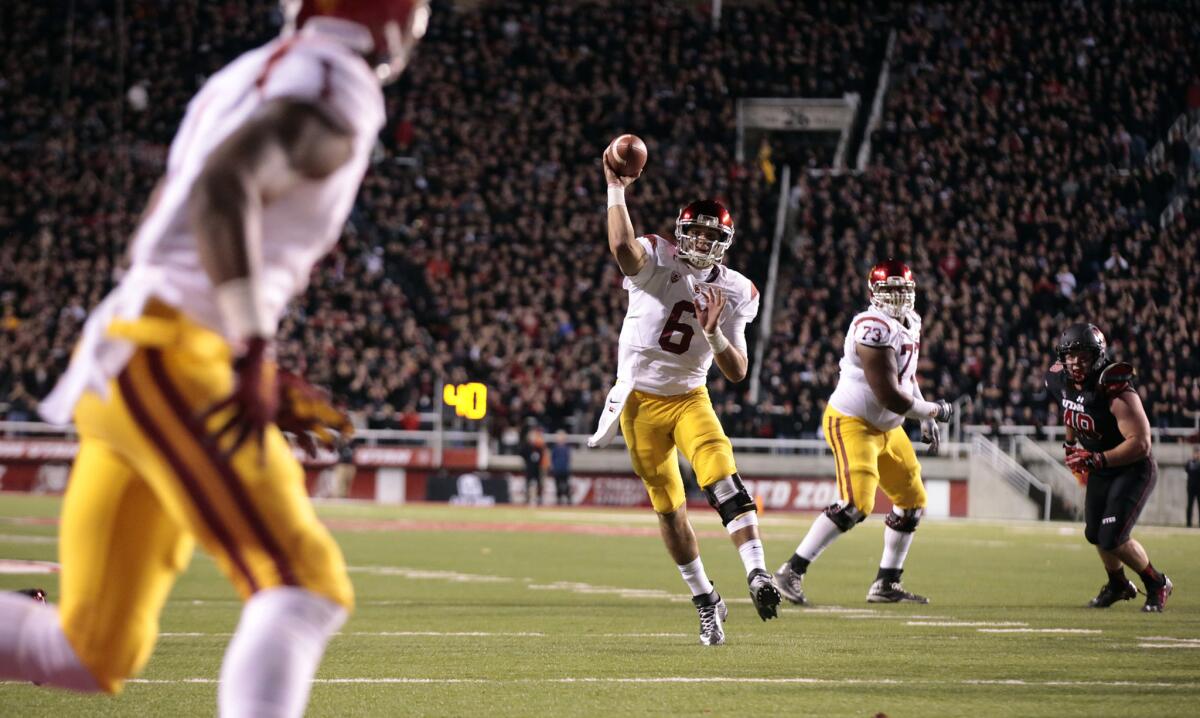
[892, 287]
[396, 26]
[698, 248]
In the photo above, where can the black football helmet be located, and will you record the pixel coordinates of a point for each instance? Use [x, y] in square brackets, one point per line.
[697, 249]
[1087, 340]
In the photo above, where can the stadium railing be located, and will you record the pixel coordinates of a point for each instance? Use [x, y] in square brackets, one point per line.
[1013, 472]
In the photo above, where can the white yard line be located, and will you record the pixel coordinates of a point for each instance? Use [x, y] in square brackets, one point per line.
[1176, 646]
[948, 624]
[1040, 630]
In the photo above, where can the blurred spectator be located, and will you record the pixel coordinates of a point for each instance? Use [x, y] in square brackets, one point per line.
[560, 466]
[533, 452]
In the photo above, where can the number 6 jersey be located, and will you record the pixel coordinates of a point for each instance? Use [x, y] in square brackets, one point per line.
[873, 328]
[662, 348]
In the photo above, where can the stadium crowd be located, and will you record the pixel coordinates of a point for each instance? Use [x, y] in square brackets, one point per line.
[1009, 169]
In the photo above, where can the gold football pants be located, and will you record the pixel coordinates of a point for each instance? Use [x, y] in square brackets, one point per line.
[654, 426]
[867, 458]
[148, 483]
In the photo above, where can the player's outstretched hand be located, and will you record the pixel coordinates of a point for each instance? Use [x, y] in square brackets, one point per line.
[931, 434]
[252, 404]
[307, 413]
[709, 303]
[612, 178]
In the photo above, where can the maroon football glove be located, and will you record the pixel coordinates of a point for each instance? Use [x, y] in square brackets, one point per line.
[1082, 462]
[307, 413]
[254, 401]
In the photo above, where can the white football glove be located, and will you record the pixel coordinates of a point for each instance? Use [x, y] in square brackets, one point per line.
[931, 434]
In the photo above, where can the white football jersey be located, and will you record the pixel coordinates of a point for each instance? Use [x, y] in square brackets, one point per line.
[873, 328]
[662, 348]
[299, 227]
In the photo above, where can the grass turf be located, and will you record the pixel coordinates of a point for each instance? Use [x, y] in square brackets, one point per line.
[517, 612]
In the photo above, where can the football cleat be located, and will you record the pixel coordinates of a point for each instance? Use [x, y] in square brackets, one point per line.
[1110, 594]
[791, 584]
[36, 594]
[883, 591]
[764, 594]
[1156, 598]
[713, 612]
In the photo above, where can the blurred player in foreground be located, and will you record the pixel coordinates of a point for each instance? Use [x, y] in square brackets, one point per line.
[173, 385]
[876, 390]
[1108, 450]
[678, 290]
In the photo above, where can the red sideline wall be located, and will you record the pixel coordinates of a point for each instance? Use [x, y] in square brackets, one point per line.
[42, 466]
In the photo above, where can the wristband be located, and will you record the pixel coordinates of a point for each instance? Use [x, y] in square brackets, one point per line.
[921, 409]
[616, 196]
[717, 341]
[241, 308]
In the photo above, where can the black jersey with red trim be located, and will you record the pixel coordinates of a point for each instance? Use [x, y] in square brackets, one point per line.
[1088, 409]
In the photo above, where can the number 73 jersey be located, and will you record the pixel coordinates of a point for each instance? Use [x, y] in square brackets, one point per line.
[853, 395]
[662, 348]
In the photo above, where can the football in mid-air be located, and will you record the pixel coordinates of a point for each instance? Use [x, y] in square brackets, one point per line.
[627, 155]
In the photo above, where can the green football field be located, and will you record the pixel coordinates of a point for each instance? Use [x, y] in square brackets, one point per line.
[520, 612]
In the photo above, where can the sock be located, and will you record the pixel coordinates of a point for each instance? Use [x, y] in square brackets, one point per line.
[822, 533]
[695, 577]
[798, 563]
[1118, 578]
[270, 662]
[752, 555]
[889, 575]
[895, 547]
[34, 648]
[1150, 576]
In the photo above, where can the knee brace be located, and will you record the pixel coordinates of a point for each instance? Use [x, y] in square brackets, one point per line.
[730, 498]
[905, 522]
[845, 517]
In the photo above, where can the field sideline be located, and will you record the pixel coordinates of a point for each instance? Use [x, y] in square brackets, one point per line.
[517, 612]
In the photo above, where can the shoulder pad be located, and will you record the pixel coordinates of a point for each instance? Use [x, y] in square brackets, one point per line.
[872, 329]
[1053, 374]
[1117, 376]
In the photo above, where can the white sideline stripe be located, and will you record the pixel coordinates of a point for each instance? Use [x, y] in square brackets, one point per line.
[238, 602]
[424, 573]
[716, 679]
[447, 634]
[442, 634]
[966, 623]
[27, 538]
[1163, 639]
[1040, 630]
[1169, 645]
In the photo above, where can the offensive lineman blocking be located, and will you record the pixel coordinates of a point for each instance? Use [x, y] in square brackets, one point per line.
[863, 421]
[174, 390]
[660, 397]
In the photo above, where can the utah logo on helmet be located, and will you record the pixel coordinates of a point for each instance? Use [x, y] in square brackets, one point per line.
[394, 27]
